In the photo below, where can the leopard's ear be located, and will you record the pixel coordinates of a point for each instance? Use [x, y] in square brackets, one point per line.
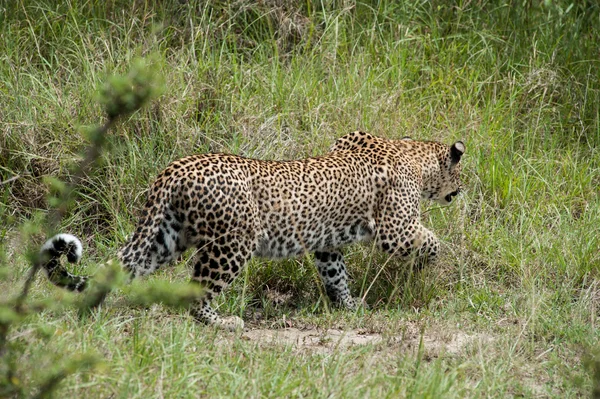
[406, 138]
[456, 151]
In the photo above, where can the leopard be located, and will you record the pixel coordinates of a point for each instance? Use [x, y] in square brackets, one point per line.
[230, 208]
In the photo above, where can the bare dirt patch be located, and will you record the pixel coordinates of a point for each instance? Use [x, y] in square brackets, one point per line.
[312, 338]
[328, 340]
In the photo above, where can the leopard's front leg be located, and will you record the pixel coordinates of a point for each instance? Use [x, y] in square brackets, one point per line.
[399, 231]
[414, 241]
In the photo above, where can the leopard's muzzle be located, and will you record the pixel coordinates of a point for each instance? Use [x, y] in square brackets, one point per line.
[449, 197]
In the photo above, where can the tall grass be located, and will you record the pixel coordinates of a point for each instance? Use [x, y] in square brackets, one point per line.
[517, 81]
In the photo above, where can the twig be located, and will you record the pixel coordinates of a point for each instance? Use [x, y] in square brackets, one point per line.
[26, 287]
[92, 154]
[10, 179]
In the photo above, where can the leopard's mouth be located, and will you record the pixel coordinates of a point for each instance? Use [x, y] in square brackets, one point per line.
[449, 197]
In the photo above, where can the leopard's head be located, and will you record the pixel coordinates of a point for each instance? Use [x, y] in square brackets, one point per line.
[444, 182]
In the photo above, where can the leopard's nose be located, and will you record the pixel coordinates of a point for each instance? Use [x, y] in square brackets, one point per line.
[449, 197]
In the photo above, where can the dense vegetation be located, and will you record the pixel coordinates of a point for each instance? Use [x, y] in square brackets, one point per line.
[517, 81]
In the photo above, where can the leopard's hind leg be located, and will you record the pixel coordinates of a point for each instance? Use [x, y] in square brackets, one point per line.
[155, 244]
[216, 265]
[334, 275]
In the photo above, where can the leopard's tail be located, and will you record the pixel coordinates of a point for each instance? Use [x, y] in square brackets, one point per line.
[50, 254]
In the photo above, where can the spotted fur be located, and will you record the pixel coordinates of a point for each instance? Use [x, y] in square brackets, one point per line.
[231, 208]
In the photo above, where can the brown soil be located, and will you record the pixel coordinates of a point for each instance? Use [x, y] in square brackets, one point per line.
[328, 340]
